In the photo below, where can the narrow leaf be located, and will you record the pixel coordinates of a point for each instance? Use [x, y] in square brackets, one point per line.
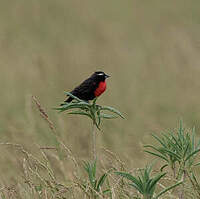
[79, 113]
[197, 164]
[158, 155]
[106, 191]
[155, 180]
[165, 165]
[192, 154]
[137, 188]
[159, 140]
[107, 116]
[111, 109]
[74, 97]
[173, 154]
[131, 178]
[167, 189]
[81, 105]
[159, 150]
[101, 181]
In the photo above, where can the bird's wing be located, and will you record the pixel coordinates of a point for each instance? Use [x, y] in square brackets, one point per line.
[85, 87]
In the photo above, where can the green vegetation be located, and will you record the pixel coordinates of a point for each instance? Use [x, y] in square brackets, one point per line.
[40, 180]
[94, 188]
[179, 150]
[146, 184]
[93, 111]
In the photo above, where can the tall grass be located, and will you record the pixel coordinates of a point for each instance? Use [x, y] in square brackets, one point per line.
[40, 180]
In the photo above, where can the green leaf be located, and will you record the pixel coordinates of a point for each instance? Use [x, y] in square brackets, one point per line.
[159, 150]
[137, 188]
[94, 102]
[83, 104]
[158, 155]
[165, 165]
[159, 140]
[167, 189]
[128, 176]
[173, 154]
[79, 113]
[106, 191]
[193, 138]
[101, 181]
[91, 171]
[186, 149]
[170, 143]
[80, 105]
[198, 145]
[74, 97]
[107, 116]
[38, 188]
[97, 125]
[111, 109]
[93, 111]
[176, 141]
[192, 154]
[94, 168]
[155, 180]
[197, 164]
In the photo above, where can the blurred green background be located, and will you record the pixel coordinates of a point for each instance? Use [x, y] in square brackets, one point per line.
[150, 48]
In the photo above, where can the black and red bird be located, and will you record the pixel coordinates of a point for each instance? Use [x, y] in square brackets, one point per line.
[92, 87]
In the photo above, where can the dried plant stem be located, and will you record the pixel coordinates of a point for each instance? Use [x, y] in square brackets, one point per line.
[44, 115]
[94, 152]
[53, 128]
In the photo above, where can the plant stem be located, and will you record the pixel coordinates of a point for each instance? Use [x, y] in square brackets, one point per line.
[182, 191]
[94, 153]
[174, 170]
[147, 196]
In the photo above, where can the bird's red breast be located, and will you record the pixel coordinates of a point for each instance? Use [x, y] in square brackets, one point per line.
[100, 89]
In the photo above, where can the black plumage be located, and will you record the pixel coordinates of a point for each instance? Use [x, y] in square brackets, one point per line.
[86, 90]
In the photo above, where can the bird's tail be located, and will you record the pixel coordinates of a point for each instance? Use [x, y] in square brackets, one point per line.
[67, 100]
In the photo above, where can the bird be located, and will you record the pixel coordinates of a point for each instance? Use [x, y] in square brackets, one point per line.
[91, 88]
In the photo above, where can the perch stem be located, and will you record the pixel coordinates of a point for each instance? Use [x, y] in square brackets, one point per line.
[94, 153]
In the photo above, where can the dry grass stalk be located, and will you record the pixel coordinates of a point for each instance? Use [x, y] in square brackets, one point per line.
[44, 114]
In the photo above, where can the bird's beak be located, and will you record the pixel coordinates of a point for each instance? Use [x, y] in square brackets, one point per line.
[107, 76]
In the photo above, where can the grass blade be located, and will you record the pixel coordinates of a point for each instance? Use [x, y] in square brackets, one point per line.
[158, 155]
[101, 181]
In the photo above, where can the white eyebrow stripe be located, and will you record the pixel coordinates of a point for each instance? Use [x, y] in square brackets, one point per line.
[100, 74]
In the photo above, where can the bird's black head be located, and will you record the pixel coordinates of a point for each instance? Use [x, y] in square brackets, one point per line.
[100, 76]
